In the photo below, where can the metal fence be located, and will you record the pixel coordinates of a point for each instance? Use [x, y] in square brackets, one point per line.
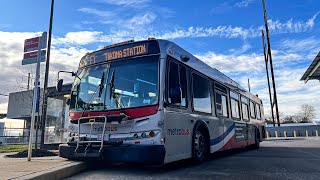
[293, 130]
[14, 135]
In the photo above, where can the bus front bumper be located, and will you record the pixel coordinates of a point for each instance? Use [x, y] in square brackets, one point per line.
[145, 154]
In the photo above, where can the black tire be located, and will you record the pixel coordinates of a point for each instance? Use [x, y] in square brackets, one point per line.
[200, 145]
[257, 140]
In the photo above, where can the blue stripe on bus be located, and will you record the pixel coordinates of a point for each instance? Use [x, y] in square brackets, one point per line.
[220, 138]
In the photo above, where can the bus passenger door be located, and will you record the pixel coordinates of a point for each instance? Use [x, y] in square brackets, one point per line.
[177, 119]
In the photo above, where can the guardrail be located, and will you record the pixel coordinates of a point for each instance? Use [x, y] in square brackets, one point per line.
[293, 134]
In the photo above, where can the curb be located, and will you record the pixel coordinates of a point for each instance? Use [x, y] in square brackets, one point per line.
[60, 172]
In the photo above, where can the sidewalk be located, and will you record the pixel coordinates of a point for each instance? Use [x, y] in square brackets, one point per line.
[39, 168]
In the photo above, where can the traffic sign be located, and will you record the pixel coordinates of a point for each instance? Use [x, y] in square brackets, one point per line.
[31, 47]
[31, 58]
[31, 44]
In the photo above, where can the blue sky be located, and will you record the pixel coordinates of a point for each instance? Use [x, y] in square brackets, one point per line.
[224, 34]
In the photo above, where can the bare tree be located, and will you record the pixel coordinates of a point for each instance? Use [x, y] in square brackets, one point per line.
[290, 119]
[307, 113]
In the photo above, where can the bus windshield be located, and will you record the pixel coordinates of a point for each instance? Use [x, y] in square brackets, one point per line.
[135, 84]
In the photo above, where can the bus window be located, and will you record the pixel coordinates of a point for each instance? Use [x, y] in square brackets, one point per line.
[258, 111]
[235, 113]
[201, 94]
[245, 108]
[221, 105]
[177, 85]
[235, 108]
[245, 114]
[252, 110]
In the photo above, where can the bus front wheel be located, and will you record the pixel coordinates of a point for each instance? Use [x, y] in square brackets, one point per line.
[200, 145]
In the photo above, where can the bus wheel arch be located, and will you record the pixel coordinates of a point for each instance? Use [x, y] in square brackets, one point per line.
[200, 142]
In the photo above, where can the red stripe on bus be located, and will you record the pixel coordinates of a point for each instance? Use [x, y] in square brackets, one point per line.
[133, 113]
[232, 143]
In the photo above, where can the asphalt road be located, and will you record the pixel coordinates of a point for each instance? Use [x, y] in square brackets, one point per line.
[280, 159]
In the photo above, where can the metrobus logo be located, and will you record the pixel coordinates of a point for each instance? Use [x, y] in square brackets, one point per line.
[178, 132]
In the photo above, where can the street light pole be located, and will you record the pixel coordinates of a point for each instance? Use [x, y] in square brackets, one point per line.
[46, 76]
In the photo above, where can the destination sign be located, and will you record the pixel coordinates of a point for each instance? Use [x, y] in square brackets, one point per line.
[127, 52]
[120, 52]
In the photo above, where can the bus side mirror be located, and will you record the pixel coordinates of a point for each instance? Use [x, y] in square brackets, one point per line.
[59, 85]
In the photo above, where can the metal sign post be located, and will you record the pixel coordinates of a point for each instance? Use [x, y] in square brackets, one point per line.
[36, 92]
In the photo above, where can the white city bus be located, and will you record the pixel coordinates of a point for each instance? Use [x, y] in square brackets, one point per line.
[153, 102]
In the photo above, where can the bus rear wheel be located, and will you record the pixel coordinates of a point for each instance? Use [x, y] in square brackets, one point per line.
[200, 146]
[257, 140]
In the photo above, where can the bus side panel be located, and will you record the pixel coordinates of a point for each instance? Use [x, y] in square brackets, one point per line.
[239, 137]
[251, 133]
[218, 135]
[178, 134]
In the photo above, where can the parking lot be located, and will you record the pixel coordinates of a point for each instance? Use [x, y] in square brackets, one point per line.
[278, 159]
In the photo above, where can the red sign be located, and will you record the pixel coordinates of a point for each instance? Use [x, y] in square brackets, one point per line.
[30, 55]
[31, 44]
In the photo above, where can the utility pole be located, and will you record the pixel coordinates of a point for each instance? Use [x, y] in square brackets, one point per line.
[271, 64]
[249, 85]
[46, 76]
[267, 71]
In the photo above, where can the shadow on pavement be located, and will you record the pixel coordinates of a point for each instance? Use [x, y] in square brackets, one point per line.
[174, 166]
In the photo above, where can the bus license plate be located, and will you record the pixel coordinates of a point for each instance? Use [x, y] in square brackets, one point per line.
[106, 137]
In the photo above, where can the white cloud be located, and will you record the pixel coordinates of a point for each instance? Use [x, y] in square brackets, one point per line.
[227, 6]
[79, 38]
[298, 45]
[220, 31]
[243, 3]
[141, 20]
[105, 14]
[234, 63]
[310, 22]
[133, 3]
[139, 24]
[245, 47]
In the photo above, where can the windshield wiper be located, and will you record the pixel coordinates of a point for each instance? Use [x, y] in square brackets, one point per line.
[100, 87]
[113, 94]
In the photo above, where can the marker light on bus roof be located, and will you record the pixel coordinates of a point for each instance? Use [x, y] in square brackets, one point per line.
[117, 44]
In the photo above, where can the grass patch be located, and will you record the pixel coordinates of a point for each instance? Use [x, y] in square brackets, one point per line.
[13, 148]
